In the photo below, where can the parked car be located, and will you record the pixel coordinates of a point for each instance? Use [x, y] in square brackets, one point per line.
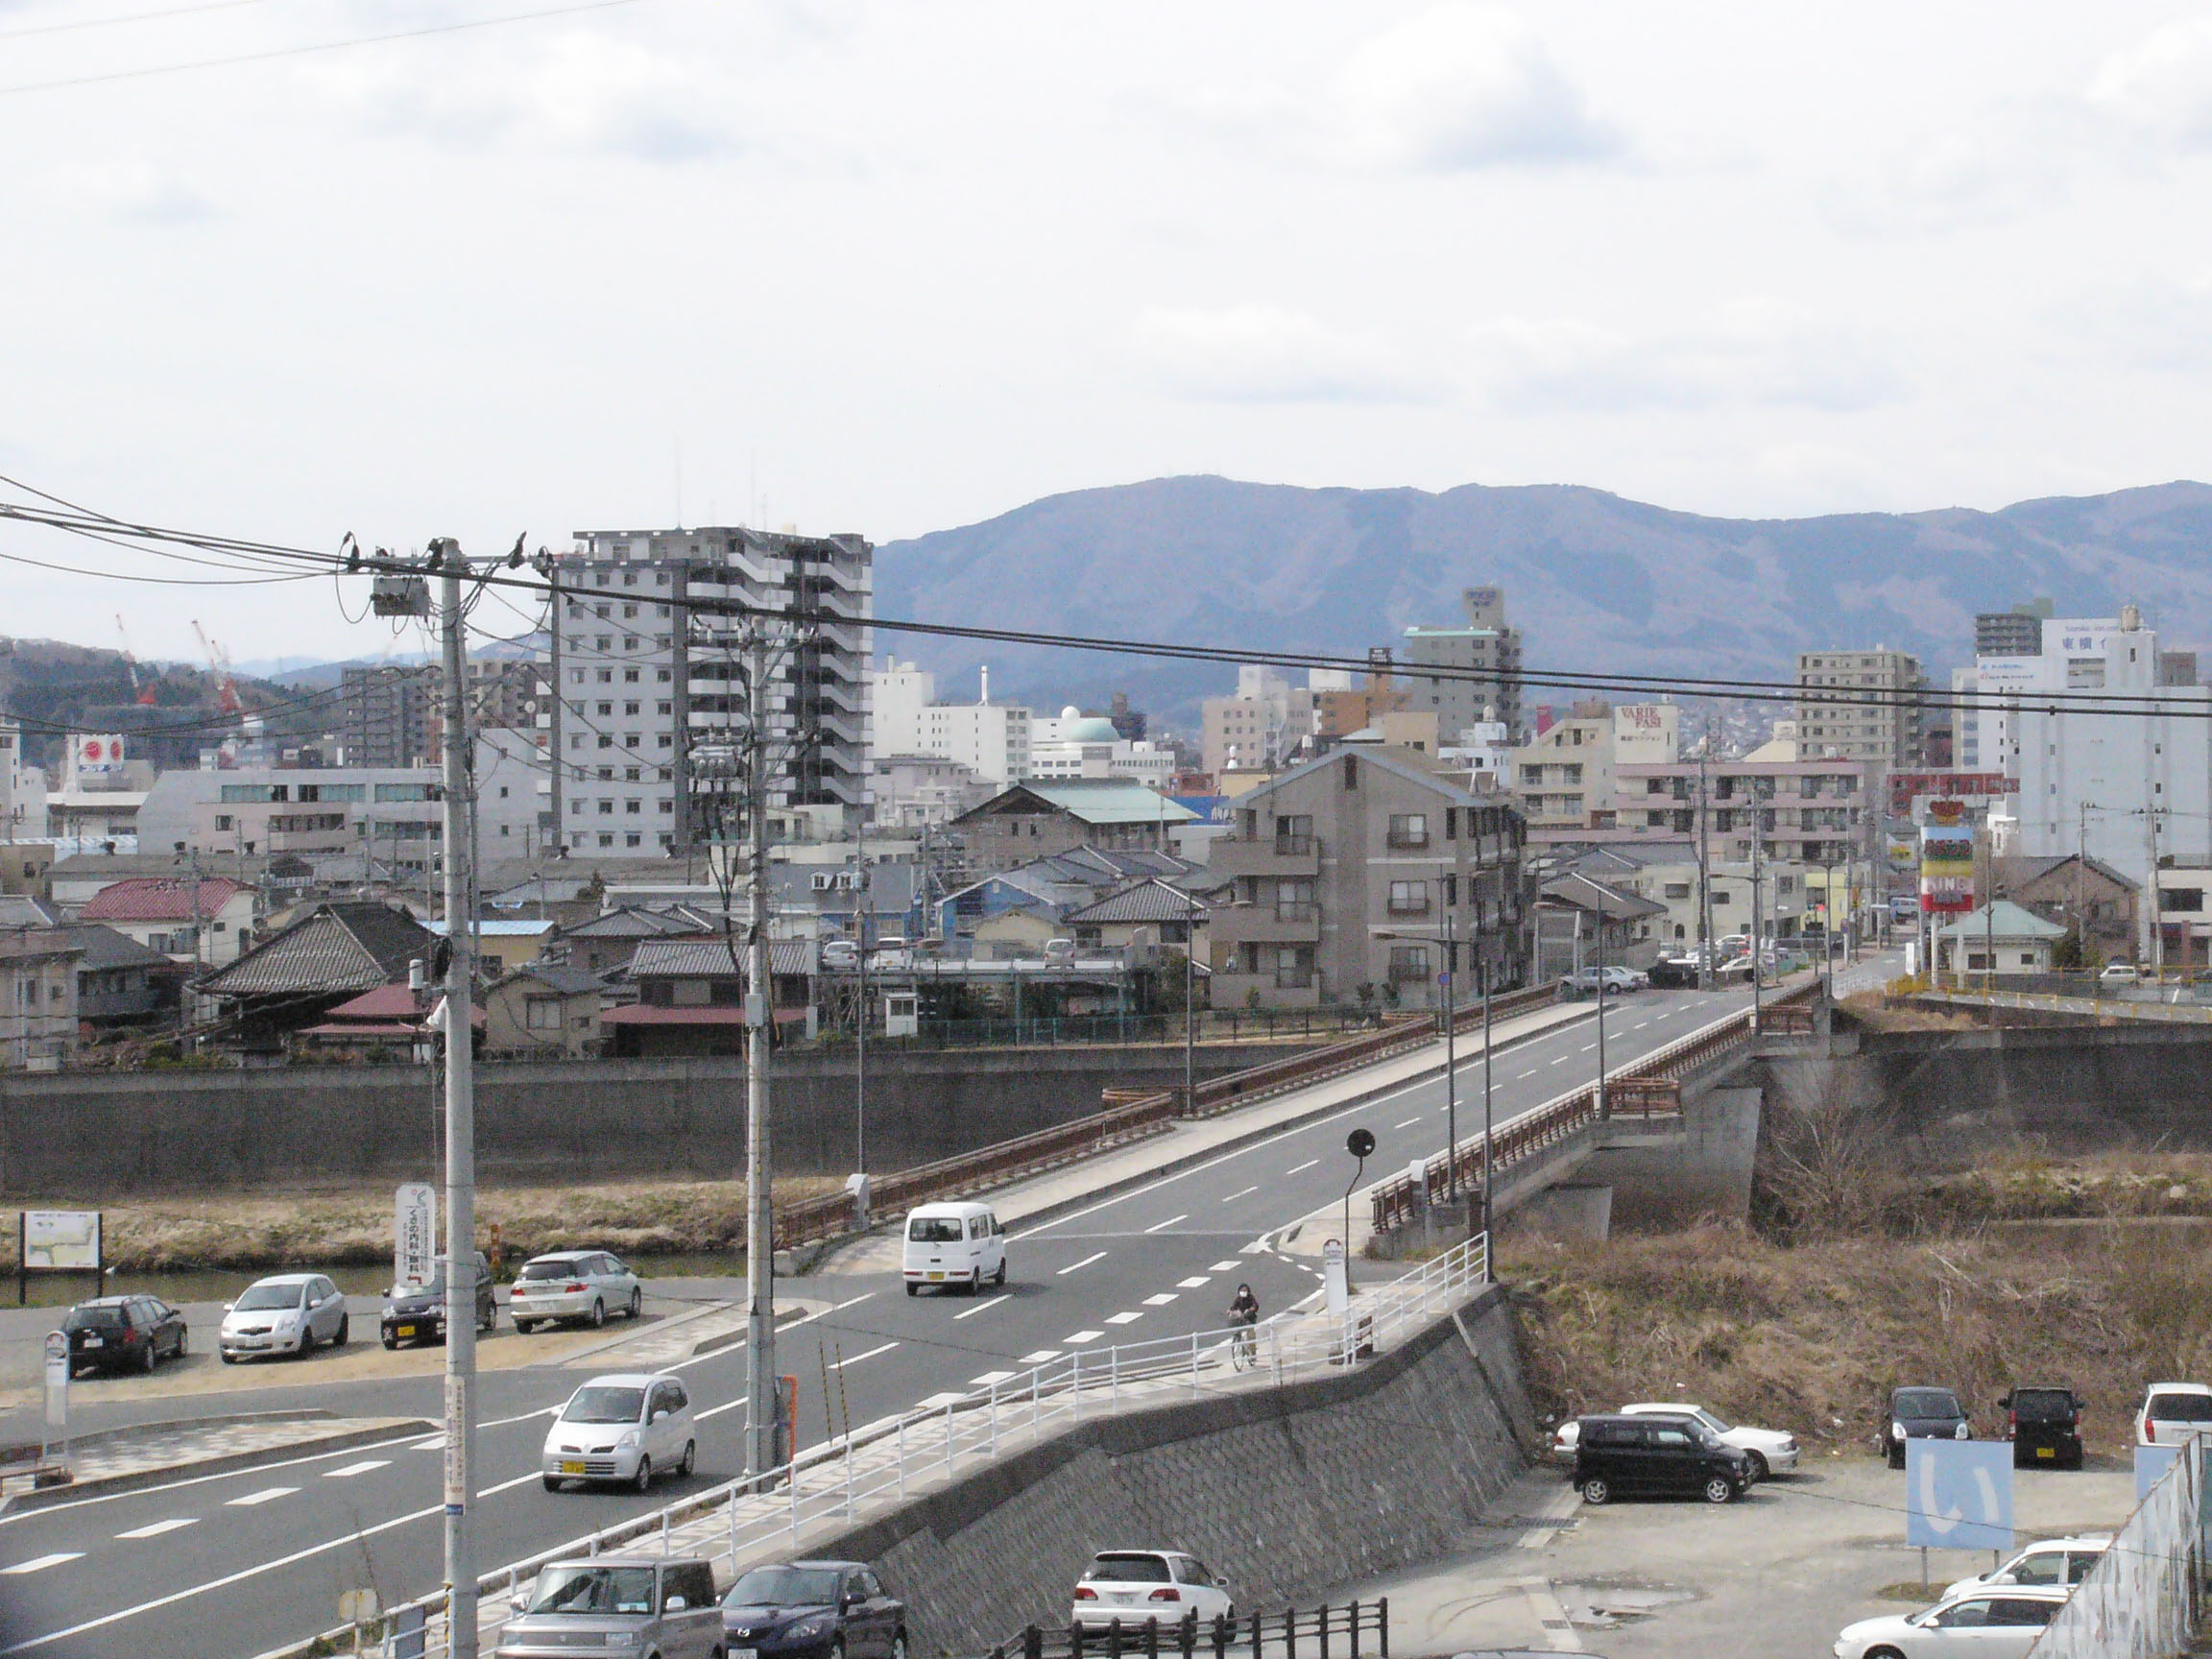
[2173, 1411]
[1625, 1457]
[1770, 1449]
[2120, 973]
[2001, 1624]
[1921, 1414]
[622, 1429]
[290, 1313]
[955, 1246]
[1617, 981]
[122, 1334]
[813, 1610]
[637, 1604]
[1148, 1587]
[2052, 1563]
[1675, 973]
[585, 1285]
[2044, 1425]
[418, 1314]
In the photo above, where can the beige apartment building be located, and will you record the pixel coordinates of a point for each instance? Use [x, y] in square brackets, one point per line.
[1884, 728]
[1360, 877]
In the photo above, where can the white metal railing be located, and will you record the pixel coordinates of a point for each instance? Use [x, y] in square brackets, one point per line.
[2144, 1598]
[827, 1487]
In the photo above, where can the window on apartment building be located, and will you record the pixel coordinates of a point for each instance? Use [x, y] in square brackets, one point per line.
[634, 808]
[575, 676]
[1293, 834]
[1409, 899]
[664, 676]
[606, 740]
[1532, 777]
[602, 611]
[605, 840]
[629, 610]
[1408, 964]
[1676, 890]
[575, 739]
[633, 839]
[606, 808]
[630, 707]
[2181, 898]
[603, 643]
[575, 808]
[599, 579]
[575, 609]
[667, 740]
[630, 678]
[1409, 830]
[606, 709]
[666, 805]
[605, 676]
[630, 739]
[668, 776]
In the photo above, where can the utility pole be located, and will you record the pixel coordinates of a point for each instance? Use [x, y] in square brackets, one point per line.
[2157, 950]
[760, 1391]
[553, 695]
[1451, 1051]
[862, 905]
[460, 1126]
[1190, 1005]
[1705, 963]
[1758, 906]
[1489, 1271]
[1604, 1108]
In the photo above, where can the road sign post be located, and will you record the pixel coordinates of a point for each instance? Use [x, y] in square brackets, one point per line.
[414, 1235]
[57, 1405]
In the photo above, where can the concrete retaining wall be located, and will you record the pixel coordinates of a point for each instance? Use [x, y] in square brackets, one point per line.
[98, 1134]
[1284, 1492]
[1671, 1176]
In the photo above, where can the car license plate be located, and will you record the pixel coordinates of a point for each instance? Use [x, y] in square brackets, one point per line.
[744, 1654]
[95, 1342]
[572, 1468]
[2046, 1451]
[1122, 1596]
[404, 1331]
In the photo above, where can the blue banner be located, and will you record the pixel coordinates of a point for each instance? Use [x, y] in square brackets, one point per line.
[1959, 1494]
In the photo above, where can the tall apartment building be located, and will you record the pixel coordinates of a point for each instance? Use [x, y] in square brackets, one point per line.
[1861, 706]
[645, 681]
[993, 740]
[2014, 633]
[1486, 660]
[385, 714]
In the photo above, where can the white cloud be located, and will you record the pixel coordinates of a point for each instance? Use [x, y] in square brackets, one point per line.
[2161, 87]
[1267, 354]
[1460, 86]
[1752, 352]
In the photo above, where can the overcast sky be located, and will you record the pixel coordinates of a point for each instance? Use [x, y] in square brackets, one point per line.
[895, 267]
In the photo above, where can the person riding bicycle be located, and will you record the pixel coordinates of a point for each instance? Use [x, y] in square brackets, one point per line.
[1243, 1319]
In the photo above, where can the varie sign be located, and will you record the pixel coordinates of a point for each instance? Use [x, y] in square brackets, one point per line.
[94, 754]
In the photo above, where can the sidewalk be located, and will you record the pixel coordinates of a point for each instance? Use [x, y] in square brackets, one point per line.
[120, 1460]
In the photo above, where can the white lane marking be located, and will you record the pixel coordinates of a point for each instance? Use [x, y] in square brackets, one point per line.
[1245, 1194]
[174, 1523]
[935, 1401]
[1160, 1301]
[1124, 1319]
[1640, 1024]
[1082, 1337]
[526, 1417]
[855, 1359]
[983, 1307]
[510, 1485]
[736, 1404]
[1257, 1247]
[1194, 1283]
[353, 1469]
[267, 1494]
[1095, 1256]
[1224, 1267]
[1163, 1226]
[1588, 1046]
[1524, 1076]
[1563, 1058]
[1408, 1124]
[39, 1563]
[436, 1443]
[989, 1377]
[738, 1346]
[1310, 1164]
[1043, 1355]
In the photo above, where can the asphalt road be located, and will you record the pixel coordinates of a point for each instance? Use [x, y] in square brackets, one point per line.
[237, 1564]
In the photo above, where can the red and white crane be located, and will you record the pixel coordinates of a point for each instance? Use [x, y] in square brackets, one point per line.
[219, 663]
[143, 692]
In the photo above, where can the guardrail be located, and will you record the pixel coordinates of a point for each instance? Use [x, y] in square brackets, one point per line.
[1648, 1088]
[1328, 1631]
[2144, 1596]
[826, 1487]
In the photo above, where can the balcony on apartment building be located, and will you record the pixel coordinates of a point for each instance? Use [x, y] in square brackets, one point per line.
[1291, 854]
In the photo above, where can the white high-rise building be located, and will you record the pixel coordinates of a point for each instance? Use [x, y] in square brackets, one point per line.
[991, 738]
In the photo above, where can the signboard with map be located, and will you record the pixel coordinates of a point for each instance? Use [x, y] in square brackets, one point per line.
[61, 1241]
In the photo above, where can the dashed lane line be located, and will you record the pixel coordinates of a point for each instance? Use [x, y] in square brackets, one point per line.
[855, 1359]
[1408, 1124]
[1082, 1337]
[981, 1308]
[155, 1530]
[353, 1469]
[267, 1495]
[1124, 1319]
[1310, 1164]
[1245, 1194]
[1160, 1301]
[1095, 1256]
[39, 1563]
[1163, 1226]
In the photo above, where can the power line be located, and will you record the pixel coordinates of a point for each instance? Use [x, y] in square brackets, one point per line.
[126, 17]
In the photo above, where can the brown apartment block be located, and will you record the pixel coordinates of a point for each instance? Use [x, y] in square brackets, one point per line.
[1366, 871]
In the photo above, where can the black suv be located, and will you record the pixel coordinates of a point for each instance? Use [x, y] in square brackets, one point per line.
[419, 1315]
[1657, 1456]
[123, 1333]
[813, 1610]
[2044, 1425]
[1921, 1414]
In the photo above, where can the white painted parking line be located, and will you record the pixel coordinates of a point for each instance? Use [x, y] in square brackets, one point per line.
[1408, 1124]
[1095, 1256]
[1245, 1194]
[39, 1564]
[989, 1377]
[1224, 1267]
[1041, 1357]
[855, 1359]
[1160, 1301]
[1310, 1164]
[176, 1522]
[353, 1469]
[1082, 1337]
[980, 1307]
[1163, 1226]
[1124, 1319]
[267, 1494]
[1192, 1283]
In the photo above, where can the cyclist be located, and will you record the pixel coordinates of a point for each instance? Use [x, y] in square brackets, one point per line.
[1243, 1316]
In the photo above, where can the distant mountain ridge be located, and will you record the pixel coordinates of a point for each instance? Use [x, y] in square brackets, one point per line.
[1594, 580]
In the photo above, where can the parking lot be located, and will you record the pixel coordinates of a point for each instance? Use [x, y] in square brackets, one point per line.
[1777, 1574]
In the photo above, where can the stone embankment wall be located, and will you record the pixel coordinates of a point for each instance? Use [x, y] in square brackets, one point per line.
[100, 1135]
[1284, 1492]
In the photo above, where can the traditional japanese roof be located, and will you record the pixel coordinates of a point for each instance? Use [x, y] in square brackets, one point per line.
[1088, 799]
[710, 958]
[334, 948]
[2003, 920]
[1141, 901]
[160, 899]
[106, 949]
[558, 976]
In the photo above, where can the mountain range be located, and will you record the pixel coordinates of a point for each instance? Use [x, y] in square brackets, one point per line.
[1595, 581]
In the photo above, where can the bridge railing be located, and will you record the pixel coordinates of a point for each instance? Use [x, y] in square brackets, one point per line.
[1351, 1631]
[2144, 1596]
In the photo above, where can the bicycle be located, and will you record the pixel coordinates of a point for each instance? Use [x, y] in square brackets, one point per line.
[1244, 1341]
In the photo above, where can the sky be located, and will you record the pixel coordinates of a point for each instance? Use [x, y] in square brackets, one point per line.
[891, 268]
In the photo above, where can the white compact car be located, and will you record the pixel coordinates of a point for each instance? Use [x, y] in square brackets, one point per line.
[2000, 1624]
[2172, 1413]
[621, 1428]
[954, 1245]
[1149, 1587]
[1772, 1452]
[585, 1285]
[2055, 1562]
[288, 1313]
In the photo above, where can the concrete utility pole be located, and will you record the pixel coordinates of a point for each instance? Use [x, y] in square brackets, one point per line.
[1451, 1053]
[460, 1126]
[760, 1391]
[862, 905]
[1705, 962]
[1489, 1272]
[1605, 1107]
[1758, 908]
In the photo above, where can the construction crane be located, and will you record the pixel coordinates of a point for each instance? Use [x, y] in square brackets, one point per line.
[219, 664]
[143, 692]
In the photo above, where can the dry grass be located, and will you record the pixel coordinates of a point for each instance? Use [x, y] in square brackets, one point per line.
[1810, 1337]
[354, 1228]
[1877, 1012]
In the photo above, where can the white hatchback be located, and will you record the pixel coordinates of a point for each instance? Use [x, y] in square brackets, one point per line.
[289, 1313]
[623, 1428]
[2172, 1413]
[585, 1285]
[1987, 1624]
[1149, 1587]
[2055, 1561]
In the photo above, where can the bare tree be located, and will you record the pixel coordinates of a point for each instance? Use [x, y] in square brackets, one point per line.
[1825, 1156]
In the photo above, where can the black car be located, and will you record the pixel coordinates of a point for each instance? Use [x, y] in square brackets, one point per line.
[2044, 1425]
[1670, 973]
[813, 1610]
[123, 1333]
[419, 1315]
[1657, 1456]
[1921, 1414]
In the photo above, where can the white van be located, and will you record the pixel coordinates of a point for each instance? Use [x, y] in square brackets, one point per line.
[953, 1244]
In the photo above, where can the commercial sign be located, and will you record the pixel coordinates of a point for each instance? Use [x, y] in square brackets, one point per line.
[1959, 1494]
[63, 1240]
[1906, 787]
[1946, 860]
[94, 757]
[414, 1235]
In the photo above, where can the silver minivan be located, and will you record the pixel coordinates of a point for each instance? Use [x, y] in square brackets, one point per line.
[634, 1604]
